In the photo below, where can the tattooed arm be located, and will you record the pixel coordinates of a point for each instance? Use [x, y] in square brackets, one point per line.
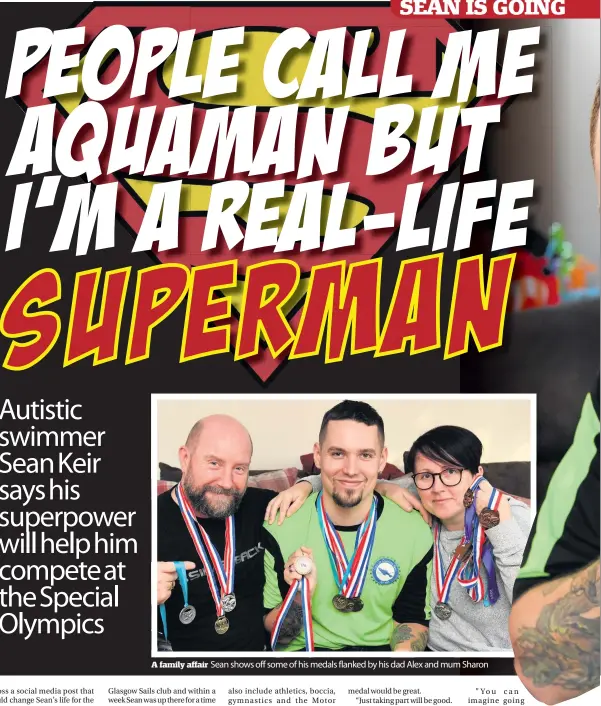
[291, 627]
[554, 629]
[408, 637]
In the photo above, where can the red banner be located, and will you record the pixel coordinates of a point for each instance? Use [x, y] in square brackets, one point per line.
[500, 9]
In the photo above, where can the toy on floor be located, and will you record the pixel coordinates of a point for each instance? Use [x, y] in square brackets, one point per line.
[556, 276]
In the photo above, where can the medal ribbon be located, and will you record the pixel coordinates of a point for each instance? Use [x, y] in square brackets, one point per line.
[491, 596]
[303, 584]
[193, 527]
[183, 580]
[444, 580]
[225, 574]
[350, 575]
[470, 577]
[163, 612]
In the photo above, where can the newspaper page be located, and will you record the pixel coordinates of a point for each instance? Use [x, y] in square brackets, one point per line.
[299, 344]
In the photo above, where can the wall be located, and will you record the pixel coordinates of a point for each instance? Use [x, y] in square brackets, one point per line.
[283, 429]
[545, 136]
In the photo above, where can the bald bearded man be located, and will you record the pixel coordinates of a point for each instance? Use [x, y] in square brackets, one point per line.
[212, 509]
[213, 506]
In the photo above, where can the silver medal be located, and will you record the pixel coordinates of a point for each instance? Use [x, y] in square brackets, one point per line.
[187, 614]
[228, 602]
[443, 611]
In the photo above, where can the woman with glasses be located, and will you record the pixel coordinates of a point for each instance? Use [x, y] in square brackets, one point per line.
[473, 524]
[479, 537]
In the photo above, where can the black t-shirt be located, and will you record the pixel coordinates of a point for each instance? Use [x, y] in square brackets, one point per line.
[565, 535]
[246, 632]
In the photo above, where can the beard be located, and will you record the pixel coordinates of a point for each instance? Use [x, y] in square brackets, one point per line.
[347, 498]
[226, 504]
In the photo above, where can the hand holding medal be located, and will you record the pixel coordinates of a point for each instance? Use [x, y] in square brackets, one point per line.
[301, 565]
[482, 503]
[300, 572]
[488, 516]
[483, 509]
[167, 578]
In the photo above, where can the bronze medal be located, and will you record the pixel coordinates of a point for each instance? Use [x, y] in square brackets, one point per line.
[489, 518]
[460, 551]
[222, 625]
[443, 611]
[355, 604]
[468, 498]
[464, 552]
[467, 555]
[341, 603]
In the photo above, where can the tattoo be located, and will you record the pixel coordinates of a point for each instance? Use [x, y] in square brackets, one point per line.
[563, 648]
[404, 633]
[292, 624]
[420, 642]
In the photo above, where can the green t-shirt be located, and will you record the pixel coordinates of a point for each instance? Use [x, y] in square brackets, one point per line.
[396, 586]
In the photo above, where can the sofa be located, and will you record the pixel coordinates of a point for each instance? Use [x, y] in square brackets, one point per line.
[554, 353]
[512, 478]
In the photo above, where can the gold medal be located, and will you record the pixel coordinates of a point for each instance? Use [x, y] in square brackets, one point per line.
[222, 625]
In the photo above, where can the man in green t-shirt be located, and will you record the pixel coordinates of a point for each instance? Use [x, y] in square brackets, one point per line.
[370, 559]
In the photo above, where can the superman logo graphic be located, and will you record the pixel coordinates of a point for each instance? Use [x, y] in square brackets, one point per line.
[423, 51]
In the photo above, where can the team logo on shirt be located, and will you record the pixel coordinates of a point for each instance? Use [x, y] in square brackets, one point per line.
[385, 571]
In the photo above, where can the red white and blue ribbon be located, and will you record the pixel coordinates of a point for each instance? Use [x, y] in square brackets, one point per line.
[444, 579]
[471, 575]
[303, 584]
[350, 575]
[219, 577]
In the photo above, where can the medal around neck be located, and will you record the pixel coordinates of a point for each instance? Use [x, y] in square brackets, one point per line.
[341, 603]
[188, 612]
[356, 605]
[349, 574]
[468, 498]
[222, 625]
[220, 574]
[443, 610]
[228, 603]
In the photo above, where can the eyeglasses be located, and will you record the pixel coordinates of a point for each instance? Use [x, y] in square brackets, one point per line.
[448, 477]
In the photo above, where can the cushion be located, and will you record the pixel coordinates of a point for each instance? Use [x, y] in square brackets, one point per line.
[272, 480]
[310, 469]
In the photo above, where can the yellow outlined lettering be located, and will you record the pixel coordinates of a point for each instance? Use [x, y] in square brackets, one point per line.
[205, 326]
[328, 311]
[155, 302]
[264, 302]
[413, 309]
[484, 298]
[90, 326]
[36, 334]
